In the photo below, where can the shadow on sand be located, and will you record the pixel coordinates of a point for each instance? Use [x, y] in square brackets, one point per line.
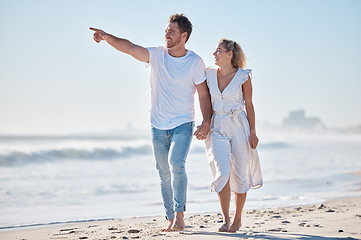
[273, 236]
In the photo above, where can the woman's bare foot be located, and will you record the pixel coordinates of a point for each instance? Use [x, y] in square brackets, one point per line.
[235, 227]
[179, 222]
[224, 227]
[169, 227]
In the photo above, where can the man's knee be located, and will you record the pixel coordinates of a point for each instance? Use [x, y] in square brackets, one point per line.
[178, 168]
[164, 176]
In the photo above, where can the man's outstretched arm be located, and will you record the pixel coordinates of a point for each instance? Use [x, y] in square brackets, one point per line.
[123, 45]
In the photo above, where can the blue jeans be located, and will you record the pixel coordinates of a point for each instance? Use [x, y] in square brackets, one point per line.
[170, 150]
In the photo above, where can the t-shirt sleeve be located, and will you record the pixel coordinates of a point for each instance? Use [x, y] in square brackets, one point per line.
[200, 73]
[153, 53]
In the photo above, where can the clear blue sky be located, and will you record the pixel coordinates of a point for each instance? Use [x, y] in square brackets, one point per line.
[55, 79]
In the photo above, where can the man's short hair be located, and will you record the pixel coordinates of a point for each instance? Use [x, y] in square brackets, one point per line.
[183, 23]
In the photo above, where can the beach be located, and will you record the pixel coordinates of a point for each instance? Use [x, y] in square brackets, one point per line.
[335, 219]
[78, 153]
[106, 187]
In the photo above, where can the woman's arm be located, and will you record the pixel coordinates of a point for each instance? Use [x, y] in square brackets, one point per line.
[247, 94]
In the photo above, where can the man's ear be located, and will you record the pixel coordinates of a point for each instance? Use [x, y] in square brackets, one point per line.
[184, 36]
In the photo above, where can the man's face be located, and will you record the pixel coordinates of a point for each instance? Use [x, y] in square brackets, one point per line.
[172, 35]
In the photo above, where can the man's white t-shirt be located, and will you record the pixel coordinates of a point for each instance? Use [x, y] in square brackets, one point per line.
[173, 83]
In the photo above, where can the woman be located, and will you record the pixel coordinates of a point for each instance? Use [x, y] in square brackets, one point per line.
[232, 141]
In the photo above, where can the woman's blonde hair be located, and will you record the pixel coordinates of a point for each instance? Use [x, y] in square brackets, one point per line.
[239, 58]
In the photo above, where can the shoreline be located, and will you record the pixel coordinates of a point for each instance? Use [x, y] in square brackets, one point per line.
[70, 222]
[338, 218]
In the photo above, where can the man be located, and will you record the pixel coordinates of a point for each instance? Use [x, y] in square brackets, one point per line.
[176, 73]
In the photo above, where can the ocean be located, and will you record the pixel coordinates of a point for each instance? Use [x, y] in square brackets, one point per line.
[58, 179]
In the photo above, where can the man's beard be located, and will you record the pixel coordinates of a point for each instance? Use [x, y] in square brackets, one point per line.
[173, 42]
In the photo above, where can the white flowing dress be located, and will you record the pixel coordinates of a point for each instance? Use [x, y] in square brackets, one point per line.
[227, 144]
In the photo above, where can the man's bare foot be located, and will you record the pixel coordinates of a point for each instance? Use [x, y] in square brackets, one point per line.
[235, 227]
[179, 222]
[224, 227]
[169, 227]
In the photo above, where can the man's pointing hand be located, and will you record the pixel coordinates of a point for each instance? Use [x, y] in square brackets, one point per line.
[99, 34]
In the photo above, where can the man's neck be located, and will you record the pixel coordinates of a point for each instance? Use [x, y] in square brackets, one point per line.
[177, 51]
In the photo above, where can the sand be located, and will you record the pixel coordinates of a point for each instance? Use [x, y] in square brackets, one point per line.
[336, 219]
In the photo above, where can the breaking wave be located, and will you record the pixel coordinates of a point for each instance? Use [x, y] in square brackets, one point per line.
[27, 157]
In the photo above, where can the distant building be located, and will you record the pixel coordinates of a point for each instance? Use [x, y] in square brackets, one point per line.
[298, 120]
[356, 129]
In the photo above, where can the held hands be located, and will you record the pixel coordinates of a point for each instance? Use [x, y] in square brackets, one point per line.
[253, 140]
[202, 131]
[99, 34]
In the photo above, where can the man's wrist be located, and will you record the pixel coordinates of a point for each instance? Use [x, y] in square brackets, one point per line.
[206, 123]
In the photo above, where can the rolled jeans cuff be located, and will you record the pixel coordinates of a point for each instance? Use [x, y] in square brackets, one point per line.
[170, 216]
